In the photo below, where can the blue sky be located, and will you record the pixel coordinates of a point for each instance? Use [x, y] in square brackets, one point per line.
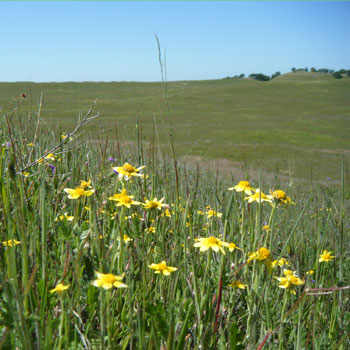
[115, 41]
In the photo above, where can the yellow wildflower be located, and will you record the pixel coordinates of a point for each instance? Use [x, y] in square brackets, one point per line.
[117, 196]
[266, 228]
[107, 281]
[290, 280]
[310, 272]
[213, 243]
[326, 256]
[85, 184]
[231, 247]
[260, 254]
[151, 229]
[127, 171]
[75, 193]
[10, 243]
[154, 204]
[127, 239]
[238, 284]
[210, 213]
[258, 196]
[25, 173]
[280, 262]
[64, 137]
[65, 216]
[162, 268]
[280, 197]
[30, 144]
[50, 156]
[243, 186]
[60, 288]
[124, 199]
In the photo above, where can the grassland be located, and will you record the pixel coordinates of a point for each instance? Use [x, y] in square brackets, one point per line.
[246, 274]
[295, 126]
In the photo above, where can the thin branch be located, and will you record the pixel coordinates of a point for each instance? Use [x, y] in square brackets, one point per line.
[79, 124]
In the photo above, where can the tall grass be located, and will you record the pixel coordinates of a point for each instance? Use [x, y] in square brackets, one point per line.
[192, 308]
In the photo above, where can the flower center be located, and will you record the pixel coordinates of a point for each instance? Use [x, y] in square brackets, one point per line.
[129, 168]
[125, 199]
[213, 241]
[109, 278]
[279, 194]
[162, 266]
[80, 191]
[263, 254]
[153, 205]
[257, 195]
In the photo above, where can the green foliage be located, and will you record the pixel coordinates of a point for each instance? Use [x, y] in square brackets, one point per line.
[259, 77]
[275, 75]
[338, 75]
[192, 308]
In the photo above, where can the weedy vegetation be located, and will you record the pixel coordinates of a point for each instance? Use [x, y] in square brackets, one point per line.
[110, 247]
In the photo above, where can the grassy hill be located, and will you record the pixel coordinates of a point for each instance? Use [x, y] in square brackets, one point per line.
[297, 124]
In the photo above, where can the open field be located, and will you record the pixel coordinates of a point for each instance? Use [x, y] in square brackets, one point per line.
[296, 125]
[98, 254]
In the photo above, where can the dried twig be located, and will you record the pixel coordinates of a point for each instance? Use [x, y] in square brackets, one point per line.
[81, 121]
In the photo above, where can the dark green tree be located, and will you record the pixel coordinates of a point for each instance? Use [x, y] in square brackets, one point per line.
[259, 76]
[275, 75]
[337, 75]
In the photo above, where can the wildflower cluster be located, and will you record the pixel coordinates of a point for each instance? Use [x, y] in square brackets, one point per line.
[83, 189]
[102, 254]
[275, 197]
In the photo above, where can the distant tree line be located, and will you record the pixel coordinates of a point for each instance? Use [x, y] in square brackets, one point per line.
[241, 76]
[336, 74]
[262, 77]
[256, 76]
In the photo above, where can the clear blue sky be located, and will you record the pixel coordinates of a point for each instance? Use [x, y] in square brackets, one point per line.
[115, 41]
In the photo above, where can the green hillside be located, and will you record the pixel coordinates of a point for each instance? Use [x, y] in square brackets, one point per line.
[298, 123]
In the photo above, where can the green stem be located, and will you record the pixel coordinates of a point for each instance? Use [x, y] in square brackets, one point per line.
[269, 228]
[281, 330]
[61, 326]
[121, 240]
[109, 331]
[206, 272]
[102, 319]
[242, 225]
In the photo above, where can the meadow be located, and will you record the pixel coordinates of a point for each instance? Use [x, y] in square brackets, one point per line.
[106, 246]
[294, 126]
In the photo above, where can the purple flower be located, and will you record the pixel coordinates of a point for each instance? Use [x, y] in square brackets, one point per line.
[111, 159]
[328, 179]
[53, 168]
